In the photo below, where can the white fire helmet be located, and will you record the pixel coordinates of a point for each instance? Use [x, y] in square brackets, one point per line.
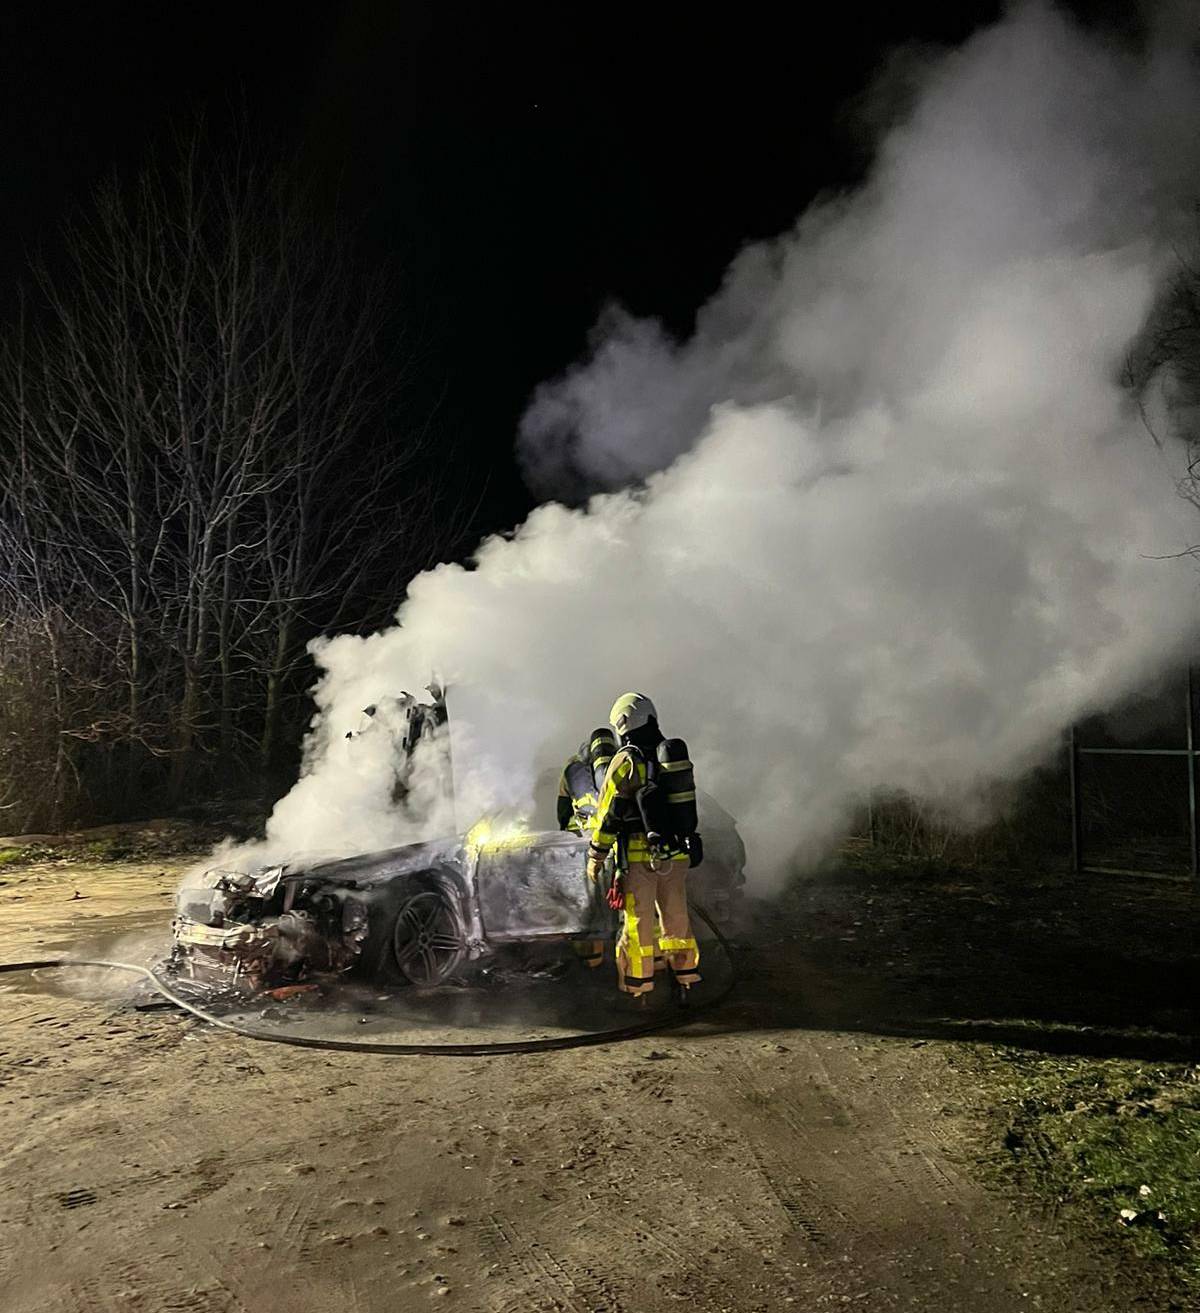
[631, 711]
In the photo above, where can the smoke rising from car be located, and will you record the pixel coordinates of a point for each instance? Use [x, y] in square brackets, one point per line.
[887, 520]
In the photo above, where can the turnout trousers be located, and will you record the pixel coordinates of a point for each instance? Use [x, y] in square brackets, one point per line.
[589, 951]
[655, 925]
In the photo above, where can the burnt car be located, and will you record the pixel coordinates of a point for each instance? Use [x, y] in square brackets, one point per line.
[422, 914]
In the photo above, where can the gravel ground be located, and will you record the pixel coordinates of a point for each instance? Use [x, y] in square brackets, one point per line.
[816, 1144]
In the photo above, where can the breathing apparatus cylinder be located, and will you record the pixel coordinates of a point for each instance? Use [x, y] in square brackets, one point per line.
[601, 747]
[677, 780]
[579, 782]
[666, 802]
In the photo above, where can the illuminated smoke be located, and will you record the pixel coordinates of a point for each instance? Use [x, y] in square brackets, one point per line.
[898, 514]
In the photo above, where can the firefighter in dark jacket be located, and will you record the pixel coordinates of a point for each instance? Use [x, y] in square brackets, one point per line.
[578, 792]
[581, 780]
[654, 875]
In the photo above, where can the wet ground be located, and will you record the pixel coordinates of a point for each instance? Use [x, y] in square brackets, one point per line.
[812, 1144]
[523, 996]
[77, 909]
[524, 993]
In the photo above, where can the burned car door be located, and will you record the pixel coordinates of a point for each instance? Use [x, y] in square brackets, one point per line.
[534, 887]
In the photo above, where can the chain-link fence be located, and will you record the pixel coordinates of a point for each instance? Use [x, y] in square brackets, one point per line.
[1133, 784]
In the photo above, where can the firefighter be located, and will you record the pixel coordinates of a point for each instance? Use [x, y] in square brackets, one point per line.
[581, 780]
[578, 788]
[651, 866]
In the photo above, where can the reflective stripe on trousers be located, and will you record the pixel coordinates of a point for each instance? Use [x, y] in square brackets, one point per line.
[590, 950]
[651, 886]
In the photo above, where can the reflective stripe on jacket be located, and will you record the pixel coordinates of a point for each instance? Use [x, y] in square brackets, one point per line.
[617, 809]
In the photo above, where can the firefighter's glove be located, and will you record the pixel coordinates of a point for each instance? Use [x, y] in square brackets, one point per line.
[695, 849]
[595, 864]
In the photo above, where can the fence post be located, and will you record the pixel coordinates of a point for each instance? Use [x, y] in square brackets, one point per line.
[1076, 820]
[1191, 762]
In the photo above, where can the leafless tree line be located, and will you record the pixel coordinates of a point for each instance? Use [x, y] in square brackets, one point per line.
[202, 467]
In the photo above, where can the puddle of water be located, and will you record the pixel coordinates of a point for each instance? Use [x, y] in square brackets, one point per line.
[141, 937]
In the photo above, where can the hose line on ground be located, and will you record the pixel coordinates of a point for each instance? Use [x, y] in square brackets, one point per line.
[670, 1021]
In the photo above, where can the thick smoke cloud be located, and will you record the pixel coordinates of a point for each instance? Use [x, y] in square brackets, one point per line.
[888, 520]
[1027, 151]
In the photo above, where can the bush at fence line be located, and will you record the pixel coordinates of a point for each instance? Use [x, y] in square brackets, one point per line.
[1016, 825]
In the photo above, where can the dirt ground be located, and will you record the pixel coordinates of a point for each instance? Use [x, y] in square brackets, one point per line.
[815, 1144]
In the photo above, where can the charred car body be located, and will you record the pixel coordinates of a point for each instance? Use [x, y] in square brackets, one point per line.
[419, 914]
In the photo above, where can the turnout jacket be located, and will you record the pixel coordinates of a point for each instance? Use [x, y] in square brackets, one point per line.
[617, 813]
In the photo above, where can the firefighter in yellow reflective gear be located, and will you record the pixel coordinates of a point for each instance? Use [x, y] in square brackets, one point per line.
[578, 792]
[653, 855]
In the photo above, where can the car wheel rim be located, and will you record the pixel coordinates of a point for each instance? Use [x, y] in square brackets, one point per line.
[427, 941]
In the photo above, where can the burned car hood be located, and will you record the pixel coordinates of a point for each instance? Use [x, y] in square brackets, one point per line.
[372, 868]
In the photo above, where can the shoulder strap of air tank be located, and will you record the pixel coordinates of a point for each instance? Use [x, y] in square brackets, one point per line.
[636, 755]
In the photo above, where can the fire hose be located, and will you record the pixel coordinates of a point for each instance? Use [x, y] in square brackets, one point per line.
[668, 1021]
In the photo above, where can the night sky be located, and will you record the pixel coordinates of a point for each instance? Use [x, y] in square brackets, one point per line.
[523, 165]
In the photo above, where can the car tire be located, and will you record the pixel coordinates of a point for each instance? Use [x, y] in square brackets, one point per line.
[427, 938]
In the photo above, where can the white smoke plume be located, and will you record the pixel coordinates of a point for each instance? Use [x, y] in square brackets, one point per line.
[888, 520]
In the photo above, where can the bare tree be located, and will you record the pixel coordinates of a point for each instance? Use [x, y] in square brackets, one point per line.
[202, 411]
[1163, 369]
